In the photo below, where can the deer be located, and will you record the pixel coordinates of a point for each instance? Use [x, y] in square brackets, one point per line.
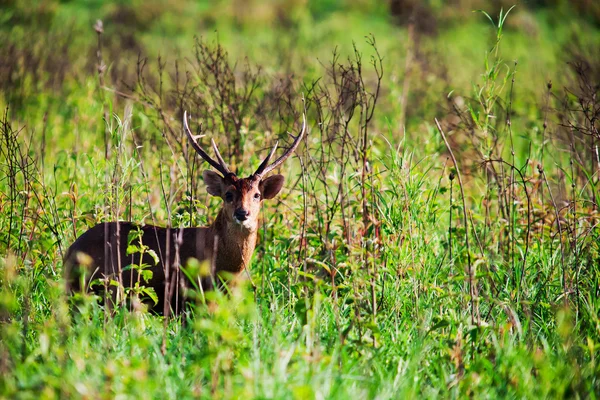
[100, 255]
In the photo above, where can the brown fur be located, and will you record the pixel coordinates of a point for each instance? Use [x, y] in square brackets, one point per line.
[101, 252]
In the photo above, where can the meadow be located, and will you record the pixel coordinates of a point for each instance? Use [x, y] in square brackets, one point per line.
[437, 234]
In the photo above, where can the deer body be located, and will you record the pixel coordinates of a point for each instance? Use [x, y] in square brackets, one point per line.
[227, 244]
[105, 248]
[101, 253]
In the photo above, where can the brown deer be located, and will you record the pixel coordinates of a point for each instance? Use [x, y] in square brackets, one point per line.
[100, 255]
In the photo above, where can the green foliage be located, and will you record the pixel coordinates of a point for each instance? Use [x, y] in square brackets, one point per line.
[361, 285]
[135, 246]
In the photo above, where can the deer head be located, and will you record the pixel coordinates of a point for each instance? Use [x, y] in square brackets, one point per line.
[242, 197]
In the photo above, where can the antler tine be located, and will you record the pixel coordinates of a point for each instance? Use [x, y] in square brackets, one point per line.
[260, 171]
[219, 158]
[219, 166]
[264, 169]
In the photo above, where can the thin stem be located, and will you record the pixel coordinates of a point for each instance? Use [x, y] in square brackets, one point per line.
[462, 193]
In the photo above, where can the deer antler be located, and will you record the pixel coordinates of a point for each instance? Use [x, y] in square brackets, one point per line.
[219, 166]
[264, 167]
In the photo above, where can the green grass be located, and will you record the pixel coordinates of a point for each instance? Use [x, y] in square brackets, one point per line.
[339, 307]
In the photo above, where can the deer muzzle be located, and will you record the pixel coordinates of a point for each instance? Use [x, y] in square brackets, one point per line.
[241, 214]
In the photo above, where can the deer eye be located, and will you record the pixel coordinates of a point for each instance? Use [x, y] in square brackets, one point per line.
[257, 196]
[229, 197]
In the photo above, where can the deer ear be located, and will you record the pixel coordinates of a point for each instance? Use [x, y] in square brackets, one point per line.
[271, 186]
[214, 182]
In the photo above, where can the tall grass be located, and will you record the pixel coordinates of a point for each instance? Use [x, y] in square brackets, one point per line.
[431, 260]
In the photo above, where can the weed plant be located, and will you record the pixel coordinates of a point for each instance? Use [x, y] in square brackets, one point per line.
[451, 251]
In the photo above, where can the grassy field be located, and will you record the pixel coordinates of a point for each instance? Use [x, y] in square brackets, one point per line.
[437, 235]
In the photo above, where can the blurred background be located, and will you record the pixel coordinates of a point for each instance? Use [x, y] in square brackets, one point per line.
[378, 273]
[438, 45]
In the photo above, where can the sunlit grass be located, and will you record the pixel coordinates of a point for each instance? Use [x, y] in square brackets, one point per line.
[387, 314]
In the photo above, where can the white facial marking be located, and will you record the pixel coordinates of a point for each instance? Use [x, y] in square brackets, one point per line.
[248, 224]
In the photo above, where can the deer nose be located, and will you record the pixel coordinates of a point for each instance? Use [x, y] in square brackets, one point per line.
[240, 214]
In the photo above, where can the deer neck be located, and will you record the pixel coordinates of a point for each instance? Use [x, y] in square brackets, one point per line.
[234, 244]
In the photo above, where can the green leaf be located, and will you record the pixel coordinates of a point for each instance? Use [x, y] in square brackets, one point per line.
[301, 311]
[132, 248]
[488, 16]
[439, 325]
[503, 18]
[148, 291]
[154, 256]
[146, 275]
